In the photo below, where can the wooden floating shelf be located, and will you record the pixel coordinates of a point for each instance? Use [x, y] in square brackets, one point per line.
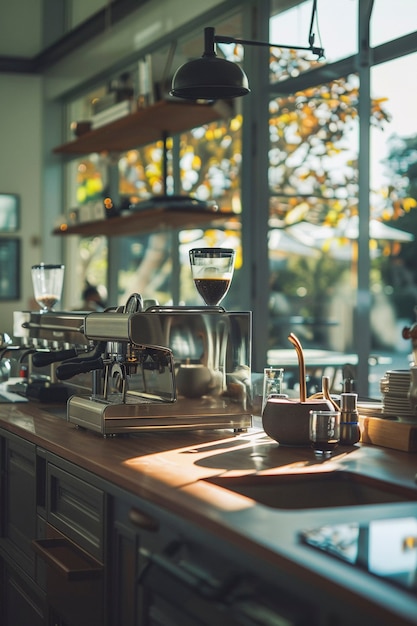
[145, 221]
[147, 125]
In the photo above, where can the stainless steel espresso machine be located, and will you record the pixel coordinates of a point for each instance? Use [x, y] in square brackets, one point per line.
[40, 342]
[163, 368]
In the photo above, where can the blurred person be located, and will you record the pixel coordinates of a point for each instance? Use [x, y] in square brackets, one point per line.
[92, 299]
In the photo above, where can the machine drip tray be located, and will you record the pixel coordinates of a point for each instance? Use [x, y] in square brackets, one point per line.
[185, 414]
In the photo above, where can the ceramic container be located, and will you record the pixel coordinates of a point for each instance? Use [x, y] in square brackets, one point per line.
[287, 420]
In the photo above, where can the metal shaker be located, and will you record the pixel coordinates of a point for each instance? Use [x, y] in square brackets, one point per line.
[349, 419]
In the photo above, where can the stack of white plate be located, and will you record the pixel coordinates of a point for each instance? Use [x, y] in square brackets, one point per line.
[395, 385]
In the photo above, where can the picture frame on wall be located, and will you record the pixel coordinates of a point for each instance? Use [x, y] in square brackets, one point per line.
[9, 212]
[9, 269]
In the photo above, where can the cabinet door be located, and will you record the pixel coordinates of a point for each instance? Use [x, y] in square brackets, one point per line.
[18, 501]
[22, 603]
[77, 509]
[183, 592]
[123, 573]
[132, 523]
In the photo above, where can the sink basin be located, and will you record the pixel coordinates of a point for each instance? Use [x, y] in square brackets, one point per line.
[315, 490]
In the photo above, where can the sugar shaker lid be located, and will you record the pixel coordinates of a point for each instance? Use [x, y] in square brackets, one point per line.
[348, 401]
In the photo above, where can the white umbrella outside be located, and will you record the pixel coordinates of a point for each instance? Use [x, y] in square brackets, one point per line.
[333, 240]
[377, 230]
[282, 243]
[323, 239]
[310, 234]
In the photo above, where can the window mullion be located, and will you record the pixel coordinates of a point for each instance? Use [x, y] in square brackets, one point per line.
[362, 335]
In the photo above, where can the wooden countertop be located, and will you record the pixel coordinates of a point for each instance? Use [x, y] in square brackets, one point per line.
[170, 469]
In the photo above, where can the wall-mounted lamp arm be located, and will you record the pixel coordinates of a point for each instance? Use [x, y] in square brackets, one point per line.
[211, 38]
[250, 42]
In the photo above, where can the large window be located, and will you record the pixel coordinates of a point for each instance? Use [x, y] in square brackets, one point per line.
[394, 199]
[313, 183]
[315, 193]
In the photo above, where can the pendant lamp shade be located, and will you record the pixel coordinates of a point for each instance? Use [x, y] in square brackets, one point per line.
[209, 78]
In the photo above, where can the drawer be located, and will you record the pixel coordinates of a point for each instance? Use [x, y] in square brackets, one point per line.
[74, 581]
[77, 509]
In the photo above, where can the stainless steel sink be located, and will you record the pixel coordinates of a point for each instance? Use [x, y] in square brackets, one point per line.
[315, 490]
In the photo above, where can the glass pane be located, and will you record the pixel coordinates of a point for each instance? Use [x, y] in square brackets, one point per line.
[90, 290]
[291, 27]
[87, 181]
[210, 163]
[145, 267]
[91, 180]
[388, 24]
[141, 172]
[393, 200]
[313, 208]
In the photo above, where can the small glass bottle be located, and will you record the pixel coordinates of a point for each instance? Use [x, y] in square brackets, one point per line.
[349, 419]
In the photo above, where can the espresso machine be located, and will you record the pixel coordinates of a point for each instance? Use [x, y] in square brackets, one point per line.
[163, 368]
[41, 341]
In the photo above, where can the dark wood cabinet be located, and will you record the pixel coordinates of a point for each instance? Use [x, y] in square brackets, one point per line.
[18, 501]
[77, 551]
[22, 600]
[52, 544]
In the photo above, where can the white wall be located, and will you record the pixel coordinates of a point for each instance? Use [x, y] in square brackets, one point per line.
[81, 10]
[20, 28]
[21, 173]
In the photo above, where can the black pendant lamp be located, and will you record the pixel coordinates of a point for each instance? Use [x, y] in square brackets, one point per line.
[209, 77]
[214, 78]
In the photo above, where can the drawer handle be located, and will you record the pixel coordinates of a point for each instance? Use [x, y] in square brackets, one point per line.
[67, 559]
[142, 520]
